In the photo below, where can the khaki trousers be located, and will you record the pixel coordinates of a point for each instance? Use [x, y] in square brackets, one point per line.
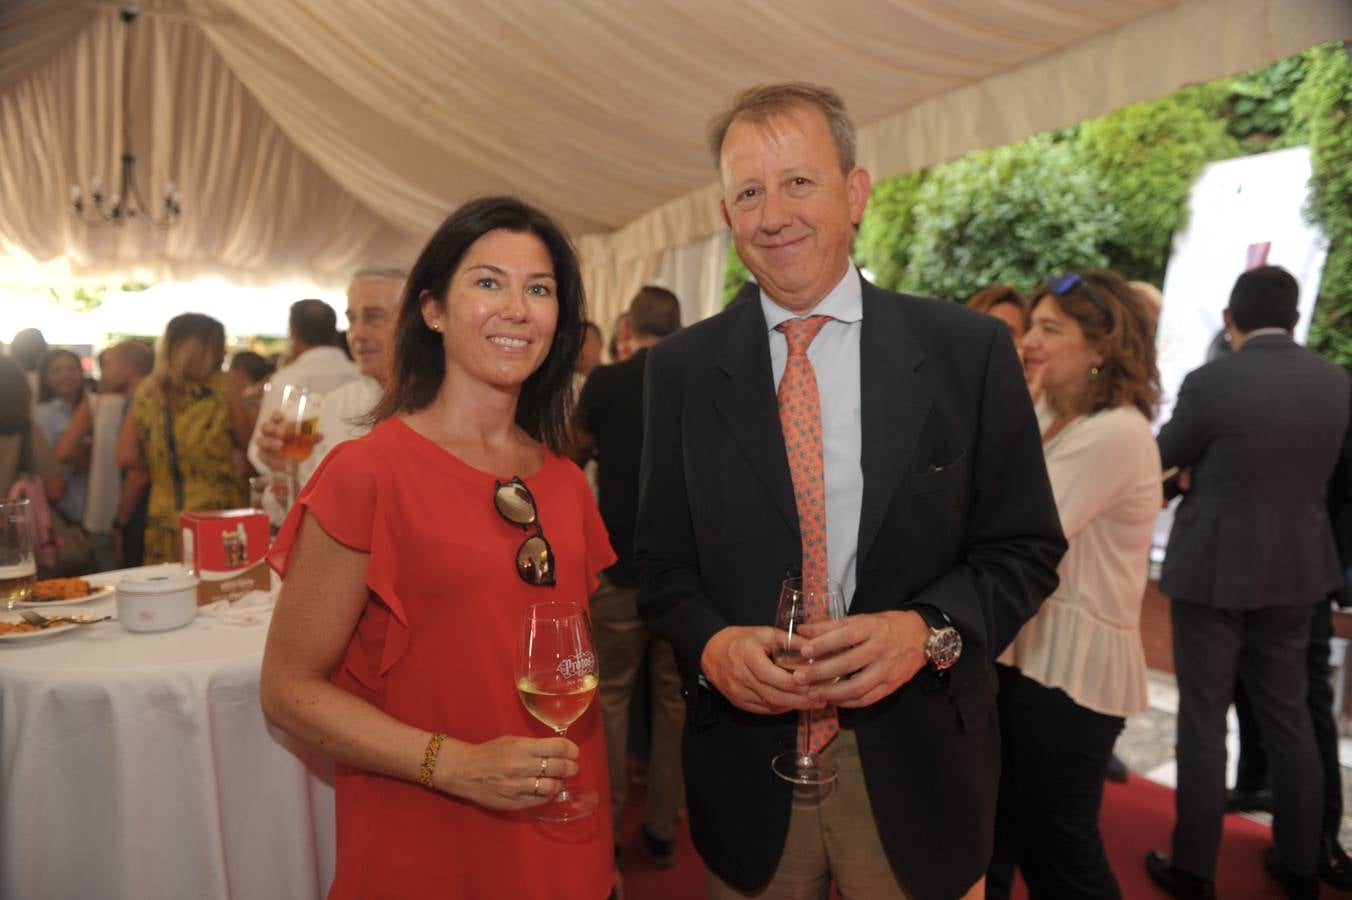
[832, 835]
[621, 642]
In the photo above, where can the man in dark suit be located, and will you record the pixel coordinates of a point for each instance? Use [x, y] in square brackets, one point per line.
[939, 523]
[1250, 554]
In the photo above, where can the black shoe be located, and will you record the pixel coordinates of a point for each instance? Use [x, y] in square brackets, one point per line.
[1175, 882]
[1242, 801]
[1117, 770]
[1334, 866]
[1298, 887]
[662, 854]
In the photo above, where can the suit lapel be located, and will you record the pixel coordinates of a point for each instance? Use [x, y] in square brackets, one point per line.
[894, 402]
[747, 403]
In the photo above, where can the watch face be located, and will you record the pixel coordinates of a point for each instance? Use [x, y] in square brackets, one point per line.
[944, 647]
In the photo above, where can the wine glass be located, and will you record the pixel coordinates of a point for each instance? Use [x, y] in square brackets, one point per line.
[804, 601]
[18, 567]
[556, 678]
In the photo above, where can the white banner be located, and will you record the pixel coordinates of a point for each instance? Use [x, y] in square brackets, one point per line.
[1244, 213]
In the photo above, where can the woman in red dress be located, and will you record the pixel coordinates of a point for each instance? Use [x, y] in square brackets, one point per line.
[393, 642]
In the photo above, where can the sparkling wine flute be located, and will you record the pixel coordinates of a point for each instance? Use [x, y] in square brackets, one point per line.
[803, 602]
[556, 678]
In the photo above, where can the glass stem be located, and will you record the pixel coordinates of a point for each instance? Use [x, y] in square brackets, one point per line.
[804, 738]
[562, 796]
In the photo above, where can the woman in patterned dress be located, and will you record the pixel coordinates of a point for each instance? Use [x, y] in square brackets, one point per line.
[185, 420]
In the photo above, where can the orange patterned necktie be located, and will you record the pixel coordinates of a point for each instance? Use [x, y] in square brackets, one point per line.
[800, 417]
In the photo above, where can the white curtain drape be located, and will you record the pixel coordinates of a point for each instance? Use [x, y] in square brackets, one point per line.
[694, 272]
[312, 136]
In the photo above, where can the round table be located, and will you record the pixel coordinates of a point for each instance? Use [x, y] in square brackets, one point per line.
[140, 766]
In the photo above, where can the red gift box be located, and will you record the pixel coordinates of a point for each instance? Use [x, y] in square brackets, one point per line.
[225, 549]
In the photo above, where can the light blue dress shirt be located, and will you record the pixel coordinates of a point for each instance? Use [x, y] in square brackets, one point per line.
[834, 355]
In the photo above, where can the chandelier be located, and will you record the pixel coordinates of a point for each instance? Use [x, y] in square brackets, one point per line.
[128, 203]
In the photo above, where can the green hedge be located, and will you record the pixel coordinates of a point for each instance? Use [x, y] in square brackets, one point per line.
[1012, 215]
[1321, 108]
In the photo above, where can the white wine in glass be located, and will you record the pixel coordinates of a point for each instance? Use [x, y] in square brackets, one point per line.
[556, 679]
[804, 602]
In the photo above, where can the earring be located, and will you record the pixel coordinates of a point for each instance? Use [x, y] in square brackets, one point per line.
[437, 328]
[1093, 373]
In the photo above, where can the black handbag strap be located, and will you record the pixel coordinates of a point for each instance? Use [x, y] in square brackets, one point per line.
[173, 456]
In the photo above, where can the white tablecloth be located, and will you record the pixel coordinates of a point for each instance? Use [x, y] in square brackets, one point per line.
[140, 766]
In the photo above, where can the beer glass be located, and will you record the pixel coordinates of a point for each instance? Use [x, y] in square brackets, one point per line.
[18, 567]
[300, 422]
[272, 493]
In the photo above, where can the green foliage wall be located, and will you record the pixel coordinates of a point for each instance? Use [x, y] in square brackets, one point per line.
[1013, 215]
[887, 231]
[1147, 156]
[1321, 108]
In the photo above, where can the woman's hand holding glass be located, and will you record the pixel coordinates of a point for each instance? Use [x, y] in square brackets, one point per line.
[507, 773]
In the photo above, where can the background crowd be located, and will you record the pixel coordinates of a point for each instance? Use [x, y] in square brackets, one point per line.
[476, 373]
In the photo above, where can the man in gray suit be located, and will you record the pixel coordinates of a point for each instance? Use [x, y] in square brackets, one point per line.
[1250, 555]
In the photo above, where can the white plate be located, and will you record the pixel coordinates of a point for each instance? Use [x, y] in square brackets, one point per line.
[34, 635]
[95, 594]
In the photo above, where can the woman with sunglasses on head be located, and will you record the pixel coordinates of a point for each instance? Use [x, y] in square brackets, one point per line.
[1076, 670]
[409, 560]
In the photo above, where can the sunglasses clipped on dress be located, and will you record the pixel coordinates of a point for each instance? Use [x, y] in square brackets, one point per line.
[534, 558]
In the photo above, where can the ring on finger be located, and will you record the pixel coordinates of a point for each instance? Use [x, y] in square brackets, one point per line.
[544, 761]
[536, 789]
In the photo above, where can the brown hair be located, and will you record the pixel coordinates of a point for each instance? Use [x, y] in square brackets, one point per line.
[1121, 333]
[16, 398]
[654, 312]
[419, 363]
[191, 351]
[762, 102]
[987, 299]
[45, 391]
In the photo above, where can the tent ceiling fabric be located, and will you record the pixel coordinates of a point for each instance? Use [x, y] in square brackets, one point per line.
[312, 136]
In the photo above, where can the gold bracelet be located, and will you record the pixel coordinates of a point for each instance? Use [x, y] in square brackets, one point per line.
[430, 759]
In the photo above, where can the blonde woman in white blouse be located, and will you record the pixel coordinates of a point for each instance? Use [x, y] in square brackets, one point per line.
[1077, 669]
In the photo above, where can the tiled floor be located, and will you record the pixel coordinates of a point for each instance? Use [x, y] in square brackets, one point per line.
[1147, 746]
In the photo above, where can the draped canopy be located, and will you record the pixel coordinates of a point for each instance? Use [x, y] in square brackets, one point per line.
[309, 137]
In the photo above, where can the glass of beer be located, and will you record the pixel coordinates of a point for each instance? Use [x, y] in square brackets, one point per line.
[18, 568]
[804, 602]
[272, 493]
[556, 679]
[300, 422]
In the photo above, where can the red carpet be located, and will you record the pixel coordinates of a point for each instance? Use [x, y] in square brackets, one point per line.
[1137, 816]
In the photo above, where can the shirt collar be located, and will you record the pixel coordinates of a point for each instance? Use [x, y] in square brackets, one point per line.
[844, 303]
[1263, 332]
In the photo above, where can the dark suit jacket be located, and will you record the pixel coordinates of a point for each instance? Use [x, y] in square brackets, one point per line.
[957, 513]
[1262, 429]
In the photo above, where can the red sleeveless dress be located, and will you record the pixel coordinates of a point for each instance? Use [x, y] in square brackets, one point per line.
[435, 647]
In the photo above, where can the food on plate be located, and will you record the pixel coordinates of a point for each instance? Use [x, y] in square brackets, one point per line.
[60, 589]
[17, 627]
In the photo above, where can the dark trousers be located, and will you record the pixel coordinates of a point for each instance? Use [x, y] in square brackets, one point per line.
[1253, 762]
[1054, 755]
[1265, 650]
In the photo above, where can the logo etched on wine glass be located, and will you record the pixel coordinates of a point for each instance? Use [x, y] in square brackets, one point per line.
[577, 666]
